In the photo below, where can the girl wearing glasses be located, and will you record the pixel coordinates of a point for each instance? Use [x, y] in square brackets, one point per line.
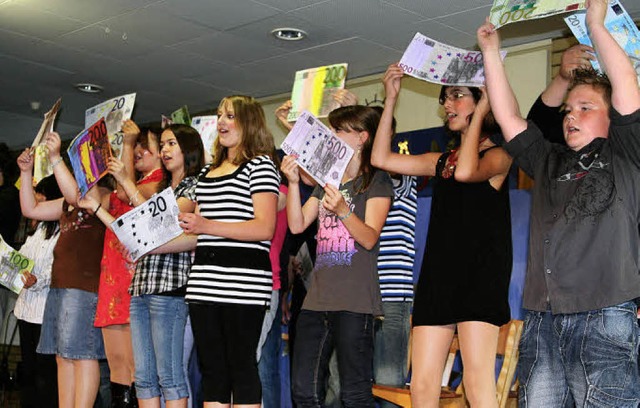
[465, 274]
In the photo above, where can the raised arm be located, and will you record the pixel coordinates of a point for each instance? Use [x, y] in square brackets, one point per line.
[133, 193]
[298, 217]
[282, 113]
[64, 177]
[43, 211]
[578, 56]
[502, 99]
[366, 232]
[625, 93]
[131, 131]
[382, 156]
[493, 166]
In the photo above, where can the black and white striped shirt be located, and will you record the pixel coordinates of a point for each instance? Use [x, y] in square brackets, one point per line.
[228, 270]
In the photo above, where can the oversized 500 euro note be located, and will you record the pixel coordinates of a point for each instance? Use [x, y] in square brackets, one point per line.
[510, 11]
[443, 64]
[621, 27]
[314, 88]
[114, 111]
[41, 165]
[320, 153]
[12, 263]
[149, 225]
[207, 127]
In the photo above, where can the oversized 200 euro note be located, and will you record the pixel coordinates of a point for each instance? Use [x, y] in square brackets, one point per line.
[320, 153]
[510, 11]
[89, 154]
[12, 263]
[443, 64]
[114, 111]
[621, 27]
[314, 89]
[149, 225]
[41, 165]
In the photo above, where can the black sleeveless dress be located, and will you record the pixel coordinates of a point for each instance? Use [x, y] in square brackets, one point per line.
[468, 257]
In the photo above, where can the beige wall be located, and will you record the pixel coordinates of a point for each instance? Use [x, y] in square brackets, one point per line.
[527, 67]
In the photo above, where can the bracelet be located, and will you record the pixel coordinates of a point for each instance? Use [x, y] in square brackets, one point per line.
[344, 217]
[56, 162]
[97, 209]
[134, 197]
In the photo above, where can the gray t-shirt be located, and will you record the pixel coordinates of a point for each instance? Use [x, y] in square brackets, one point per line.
[345, 276]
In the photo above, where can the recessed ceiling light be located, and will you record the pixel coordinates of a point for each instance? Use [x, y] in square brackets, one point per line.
[289, 34]
[89, 88]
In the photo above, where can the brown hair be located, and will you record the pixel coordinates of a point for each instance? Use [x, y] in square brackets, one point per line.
[597, 80]
[256, 138]
[361, 119]
[489, 124]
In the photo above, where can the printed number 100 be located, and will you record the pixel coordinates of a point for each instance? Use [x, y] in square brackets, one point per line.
[19, 261]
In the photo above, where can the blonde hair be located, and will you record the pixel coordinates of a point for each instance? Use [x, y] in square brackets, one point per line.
[255, 140]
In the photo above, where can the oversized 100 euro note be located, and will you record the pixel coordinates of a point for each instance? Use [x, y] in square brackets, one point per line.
[621, 27]
[443, 64]
[314, 88]
[510, 11]
[320, 153]
[12, 263]
[114, 111]
[149, 225]
[41, 165]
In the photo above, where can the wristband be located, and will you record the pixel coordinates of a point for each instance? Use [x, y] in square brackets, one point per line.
[54, 164]
[342, 218]
[97, 209]
[134, 197]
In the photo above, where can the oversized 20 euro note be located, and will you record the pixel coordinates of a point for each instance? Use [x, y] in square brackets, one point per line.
[314, 89]
[41, 165]
[89, 155]
[621, 27]
[149, 225]
[114, 111]
[443, 64]
[320, 153]
[510, 11]
[12, 263]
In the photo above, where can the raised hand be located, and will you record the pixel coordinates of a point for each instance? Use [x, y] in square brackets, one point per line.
[25, 161]
[391, 80]
[334, 201]
[578, 56]
[283, 112]
[488, 38]
[596, 12]
[345, 97]
[87, 202]
[53, 143]
[290, 169]
[131, 132]
[483, 107]
[117, 169]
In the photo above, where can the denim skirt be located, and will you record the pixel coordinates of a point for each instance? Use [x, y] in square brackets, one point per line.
[67, 326]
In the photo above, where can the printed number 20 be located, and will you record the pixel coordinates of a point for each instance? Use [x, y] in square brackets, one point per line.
[158, 206]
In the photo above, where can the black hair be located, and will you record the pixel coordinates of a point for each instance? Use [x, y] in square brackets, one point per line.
[48, 187]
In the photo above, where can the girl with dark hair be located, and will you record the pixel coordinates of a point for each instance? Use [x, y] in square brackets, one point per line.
[231, 280]
[466, 270]
[39, 370]
[344, 295]
[67, 327]
[158, 311]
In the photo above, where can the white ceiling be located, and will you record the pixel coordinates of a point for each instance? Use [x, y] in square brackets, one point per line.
[194, 52]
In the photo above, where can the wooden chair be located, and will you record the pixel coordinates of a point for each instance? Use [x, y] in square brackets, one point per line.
[507, 348]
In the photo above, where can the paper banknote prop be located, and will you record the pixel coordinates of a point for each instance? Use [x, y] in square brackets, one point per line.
[511, 11]
[443, 64]
[41, 165]
[149, 225]
[181, 116]
[114, 111]
[12, 263]
[207, 126]
[165, 121]
[320, 153]
[621, 27]
[314, 90]
[89, 154]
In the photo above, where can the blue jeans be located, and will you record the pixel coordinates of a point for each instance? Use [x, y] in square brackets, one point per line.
[269, 360]
[391, 346]
[351, 334]
[157, 335]
[587, 359]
